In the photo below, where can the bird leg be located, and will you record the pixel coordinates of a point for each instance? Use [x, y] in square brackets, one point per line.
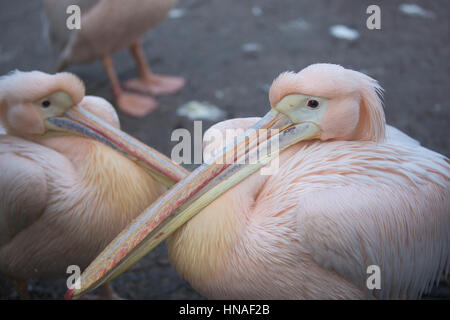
[130, 103]
[148, 81]
[21, 287]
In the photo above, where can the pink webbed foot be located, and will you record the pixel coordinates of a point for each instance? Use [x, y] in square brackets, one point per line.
[157, 84]
[136, 105]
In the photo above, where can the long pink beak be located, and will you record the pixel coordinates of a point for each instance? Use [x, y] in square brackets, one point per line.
[81, 122]
[191, 195]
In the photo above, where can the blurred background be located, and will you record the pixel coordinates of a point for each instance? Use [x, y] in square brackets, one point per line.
[229, 52]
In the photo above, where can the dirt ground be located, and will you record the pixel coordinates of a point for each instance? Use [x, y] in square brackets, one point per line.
[409, 56]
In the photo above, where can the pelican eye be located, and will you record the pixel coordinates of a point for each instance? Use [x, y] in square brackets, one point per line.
[46, 104]
[313, 104]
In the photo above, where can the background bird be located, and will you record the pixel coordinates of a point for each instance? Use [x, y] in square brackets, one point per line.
[347, 194]
[108, 26]
[64, 196]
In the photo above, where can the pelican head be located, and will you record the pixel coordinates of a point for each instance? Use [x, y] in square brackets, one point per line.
[37, 105]
[343, 104]
[323, 101]
[29, 99]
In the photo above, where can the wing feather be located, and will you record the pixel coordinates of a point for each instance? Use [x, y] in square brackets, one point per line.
[23, 194]
[392, 211]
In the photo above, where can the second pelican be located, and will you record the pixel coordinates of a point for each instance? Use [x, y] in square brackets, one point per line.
[348, 198]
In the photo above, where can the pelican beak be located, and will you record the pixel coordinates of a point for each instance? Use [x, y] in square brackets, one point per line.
[194, 193]
[79, 121]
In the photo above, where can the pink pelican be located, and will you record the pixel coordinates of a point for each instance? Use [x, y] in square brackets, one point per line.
[108, 26]
[64, 196]
[348, 194]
